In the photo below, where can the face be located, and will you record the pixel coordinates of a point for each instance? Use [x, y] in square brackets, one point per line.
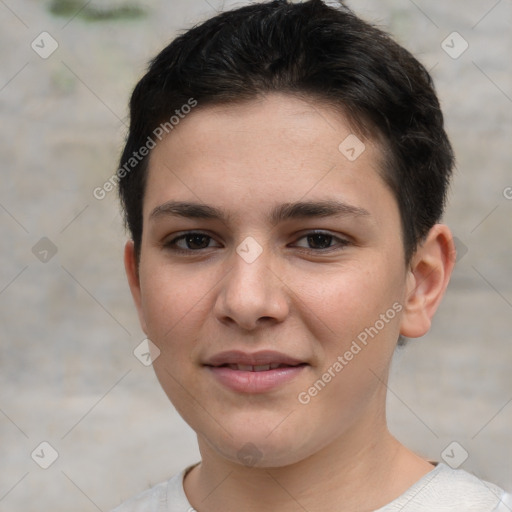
[271, 279]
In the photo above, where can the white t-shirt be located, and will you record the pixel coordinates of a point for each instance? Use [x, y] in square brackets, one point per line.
[441, 490]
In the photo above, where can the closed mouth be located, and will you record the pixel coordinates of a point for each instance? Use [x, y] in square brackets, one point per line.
[254, 373]
[261, 361]
[258, 368]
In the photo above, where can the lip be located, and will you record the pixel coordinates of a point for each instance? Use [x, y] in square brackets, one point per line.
[254, 381]
[262, 357]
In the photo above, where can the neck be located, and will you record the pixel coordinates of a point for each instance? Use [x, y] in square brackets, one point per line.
[364, 469]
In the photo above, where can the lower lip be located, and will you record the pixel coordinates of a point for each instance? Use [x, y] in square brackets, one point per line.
[255, 382]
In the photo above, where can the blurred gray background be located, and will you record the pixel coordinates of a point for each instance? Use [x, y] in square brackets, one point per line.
[67, 325]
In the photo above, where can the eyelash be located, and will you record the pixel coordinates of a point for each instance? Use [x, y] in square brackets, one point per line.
[171, 244]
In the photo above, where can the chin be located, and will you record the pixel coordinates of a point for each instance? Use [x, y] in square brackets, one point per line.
[260, 446]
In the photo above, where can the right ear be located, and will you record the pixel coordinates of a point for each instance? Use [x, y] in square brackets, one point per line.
[430, 272]
[132, 273]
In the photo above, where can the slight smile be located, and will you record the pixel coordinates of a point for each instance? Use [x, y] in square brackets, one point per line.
[259, 372]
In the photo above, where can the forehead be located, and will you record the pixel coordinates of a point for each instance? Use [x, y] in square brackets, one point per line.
[276, 120]
[277, 148]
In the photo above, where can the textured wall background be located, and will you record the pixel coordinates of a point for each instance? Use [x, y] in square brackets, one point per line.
[67, 325]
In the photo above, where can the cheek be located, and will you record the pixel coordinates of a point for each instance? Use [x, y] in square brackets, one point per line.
[348, 299]
[172, 301]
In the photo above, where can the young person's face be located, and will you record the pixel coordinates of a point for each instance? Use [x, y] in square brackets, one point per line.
[254, 282]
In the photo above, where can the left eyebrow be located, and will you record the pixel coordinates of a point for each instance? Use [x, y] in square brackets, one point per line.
[280, 213]
[306, 209]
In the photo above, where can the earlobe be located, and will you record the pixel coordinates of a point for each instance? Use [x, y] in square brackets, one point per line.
[428, 278]
[132, 274]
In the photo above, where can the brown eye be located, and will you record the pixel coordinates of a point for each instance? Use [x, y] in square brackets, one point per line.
[322, 241]
[197, 241]
[319, 241]
[190, 242]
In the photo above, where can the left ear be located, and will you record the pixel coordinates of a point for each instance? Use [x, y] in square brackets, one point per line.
[428, 277]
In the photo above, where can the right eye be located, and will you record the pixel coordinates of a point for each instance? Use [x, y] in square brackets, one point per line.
[191, 241]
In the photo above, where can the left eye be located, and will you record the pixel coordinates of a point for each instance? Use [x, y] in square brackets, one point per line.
[322, 241]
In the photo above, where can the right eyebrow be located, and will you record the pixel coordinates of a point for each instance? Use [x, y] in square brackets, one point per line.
[189, 210]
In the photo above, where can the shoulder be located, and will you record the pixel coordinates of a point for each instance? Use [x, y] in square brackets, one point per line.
[451, 490]
[147, 501]
[167, 496]
[505, 504]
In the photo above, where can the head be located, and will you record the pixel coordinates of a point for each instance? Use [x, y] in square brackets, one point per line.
[306, 152]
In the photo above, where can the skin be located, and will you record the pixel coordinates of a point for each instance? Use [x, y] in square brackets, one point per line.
[296, 297]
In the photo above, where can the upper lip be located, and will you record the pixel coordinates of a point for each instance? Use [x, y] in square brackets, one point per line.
[263, 357]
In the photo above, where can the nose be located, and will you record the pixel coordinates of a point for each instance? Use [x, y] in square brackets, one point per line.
[252, 295]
